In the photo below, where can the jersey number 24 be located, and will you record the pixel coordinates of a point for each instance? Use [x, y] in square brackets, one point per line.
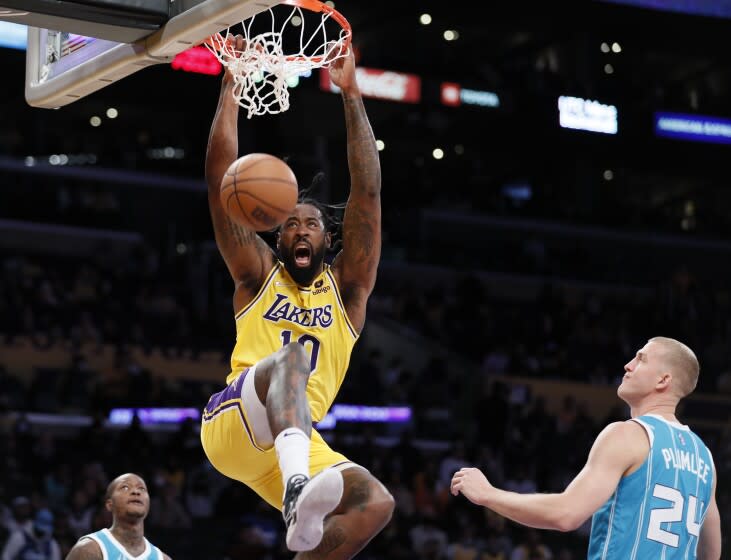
[672, 514]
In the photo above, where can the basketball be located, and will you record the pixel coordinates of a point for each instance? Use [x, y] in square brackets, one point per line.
[259, 191]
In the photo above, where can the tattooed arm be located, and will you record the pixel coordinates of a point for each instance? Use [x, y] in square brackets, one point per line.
[247, 256]
[356, 266]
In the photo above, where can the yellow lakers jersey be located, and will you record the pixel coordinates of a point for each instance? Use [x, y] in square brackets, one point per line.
[283, 312]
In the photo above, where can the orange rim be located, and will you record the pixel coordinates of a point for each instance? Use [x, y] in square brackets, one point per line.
[217, 41]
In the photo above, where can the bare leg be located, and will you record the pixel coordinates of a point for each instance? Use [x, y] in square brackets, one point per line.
[365, 509]
[281, 381]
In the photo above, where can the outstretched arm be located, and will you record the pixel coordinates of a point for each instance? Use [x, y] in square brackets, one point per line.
[709, 542]
[357, 264]
[616, 449]
[247, 256]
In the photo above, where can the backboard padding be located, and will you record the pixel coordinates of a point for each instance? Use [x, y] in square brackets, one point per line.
[51, 89]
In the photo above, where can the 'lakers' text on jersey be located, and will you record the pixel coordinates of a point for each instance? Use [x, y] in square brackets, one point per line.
[657, 511]
[283, 312]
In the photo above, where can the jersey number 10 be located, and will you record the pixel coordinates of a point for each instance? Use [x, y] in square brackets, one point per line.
[304, 340]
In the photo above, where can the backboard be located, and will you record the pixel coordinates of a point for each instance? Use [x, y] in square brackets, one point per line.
[63, 65]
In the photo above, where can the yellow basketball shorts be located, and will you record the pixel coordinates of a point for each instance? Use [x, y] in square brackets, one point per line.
[230, 445]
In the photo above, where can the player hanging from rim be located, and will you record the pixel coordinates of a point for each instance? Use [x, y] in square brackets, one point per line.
[297, 320]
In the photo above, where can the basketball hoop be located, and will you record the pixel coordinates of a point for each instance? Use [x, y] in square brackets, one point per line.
[274, 54]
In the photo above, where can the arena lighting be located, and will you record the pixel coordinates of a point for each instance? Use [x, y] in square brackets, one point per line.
[198, 60]
[361, 413]
[453, 95]
[712, 8]
[13, 35]
[585, 114]
[380, 84]
[124, 416]
[168, 152]
[339, 412]
[696, 128]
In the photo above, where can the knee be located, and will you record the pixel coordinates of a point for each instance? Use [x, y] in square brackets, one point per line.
[384, 504]
[294, 358]
[379, 507]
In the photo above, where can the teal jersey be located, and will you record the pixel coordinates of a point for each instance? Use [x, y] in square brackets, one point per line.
[657, 511]
[113, 550]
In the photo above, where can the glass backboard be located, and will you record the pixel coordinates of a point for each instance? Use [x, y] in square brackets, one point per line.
[63, 67]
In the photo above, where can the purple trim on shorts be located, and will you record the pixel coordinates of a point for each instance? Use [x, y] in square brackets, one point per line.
[232, 393]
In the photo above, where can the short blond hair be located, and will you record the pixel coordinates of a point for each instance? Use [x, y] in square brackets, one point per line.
[681, 361]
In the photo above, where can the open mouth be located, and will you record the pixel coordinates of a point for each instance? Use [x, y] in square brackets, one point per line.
[302, 254]
[138, 502]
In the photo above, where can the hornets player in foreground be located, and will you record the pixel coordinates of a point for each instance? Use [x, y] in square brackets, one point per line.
[129, 503]
[649, 482]
[297, 320]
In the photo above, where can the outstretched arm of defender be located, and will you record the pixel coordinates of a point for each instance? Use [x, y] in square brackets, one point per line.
[247, 256]
[357, 264]
[613, 453]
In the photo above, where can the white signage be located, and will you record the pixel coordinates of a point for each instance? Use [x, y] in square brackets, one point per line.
[584, 114]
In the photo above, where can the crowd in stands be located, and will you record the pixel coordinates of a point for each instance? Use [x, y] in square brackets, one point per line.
[567, 330]
[61, 476]
[143, 300]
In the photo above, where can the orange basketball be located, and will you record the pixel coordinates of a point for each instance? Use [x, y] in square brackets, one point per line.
[259, 191]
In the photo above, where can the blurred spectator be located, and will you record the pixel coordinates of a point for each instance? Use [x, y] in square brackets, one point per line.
[21, 513]
[36, 543]
[428, 540]
[80, 513]
[250, 544]
[452, 462]
[166, 510]
[468, 546]
[531, 547]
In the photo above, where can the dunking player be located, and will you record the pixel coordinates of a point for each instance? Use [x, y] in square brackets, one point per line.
[649, 482]
[128, 501]
[297, 320]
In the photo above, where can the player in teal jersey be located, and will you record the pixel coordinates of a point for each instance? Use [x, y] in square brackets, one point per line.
[649, 482]
[128, 501]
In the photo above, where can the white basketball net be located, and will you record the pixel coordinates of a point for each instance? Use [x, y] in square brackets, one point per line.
[262, 70]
